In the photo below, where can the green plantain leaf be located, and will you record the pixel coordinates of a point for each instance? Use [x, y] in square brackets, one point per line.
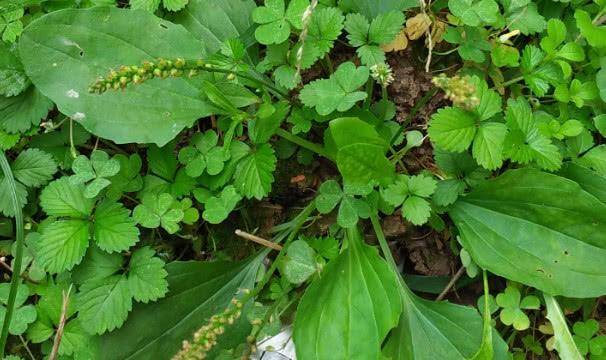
[65, 51]
[197, 290]
[437, 330]
[564, 343]
[523, 226]
[213, 22]
[355, 303]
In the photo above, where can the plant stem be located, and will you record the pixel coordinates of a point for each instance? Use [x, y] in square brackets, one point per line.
[369, 88]
[297, 223]
[313, 147]
[512, 81]
[376, 225]
[14, 286]
[413, 112]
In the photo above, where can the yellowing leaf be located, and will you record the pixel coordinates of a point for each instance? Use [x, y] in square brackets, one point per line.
[417, 26]
[399, 43]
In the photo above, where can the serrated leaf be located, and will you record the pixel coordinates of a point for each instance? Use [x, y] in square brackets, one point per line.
[62, 244]
[97, 265]
[174, 5]
[6, 202]
[488, 145]
[104, 305]
[338, 92]
[19, 113]
[416, 210]
[146, 276]
[61, 198]
[452, 129]
[114, 229]
[34, 167]
[254, 173]
[147, 5]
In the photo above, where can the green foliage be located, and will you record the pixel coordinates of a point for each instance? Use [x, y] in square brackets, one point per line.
[513, 307]
[339, 92]
[257, 110]
[366, 285]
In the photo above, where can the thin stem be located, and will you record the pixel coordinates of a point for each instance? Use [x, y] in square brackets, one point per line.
[258, 240]
[376, 225]
[369, 88]
[251, 78]
[413, 112]
[297, 223]
[313, 147]
[451, 283]
[61, 327]
[72, 147]
[14, 286]
[27, 349]
[512, 81]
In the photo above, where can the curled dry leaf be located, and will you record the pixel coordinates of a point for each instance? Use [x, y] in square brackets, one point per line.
[417, 26]
[399, 43]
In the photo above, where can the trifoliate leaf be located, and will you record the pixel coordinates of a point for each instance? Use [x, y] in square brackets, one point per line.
[538, 75]
[325, 27]
[488, 145]
[524, 143]
[158, 210]
[416, 210]
[523, 15]
[97, 265]
[203, 154]
[104, 305]
[128, 179]
[218, 208]
[275, 22]
[447, 191]
[384, 28]
[254, 173]
[329, 195]
[421, 185]
[61, 198]
[34, 167]
[475, 13]
[452, 129]
[337, 92]
[62, 244]
[114, 229]
[94, 173]
[146, 276]
[299, 263]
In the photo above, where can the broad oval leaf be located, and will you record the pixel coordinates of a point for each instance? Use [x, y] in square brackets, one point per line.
[65, 51]
[349, 310]
[540, 229]
[438, 330]
[197, 290]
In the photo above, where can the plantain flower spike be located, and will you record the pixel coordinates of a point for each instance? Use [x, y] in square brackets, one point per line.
[161, 68]
[458, 89]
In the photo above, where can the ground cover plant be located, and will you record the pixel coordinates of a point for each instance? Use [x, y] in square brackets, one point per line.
[396, 179]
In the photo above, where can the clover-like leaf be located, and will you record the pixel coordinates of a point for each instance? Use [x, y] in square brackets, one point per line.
[23, 315]
[94, 172]
[203, 154]
[275, 20]
[218, 208]
[339, 92]
[299, 263]
[159, 210]
[512, 307]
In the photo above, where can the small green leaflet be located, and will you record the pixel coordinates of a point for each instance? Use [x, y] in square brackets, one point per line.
[218, 208]
[32, 168]
[368, 36]
[513, 305]
[299, 263]
[94, 173]
[475, 13]
[63, 242]
[276, 21]
[412, 193]
[339, 92]
[254, 174]
[104, 302]
[159, 210]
